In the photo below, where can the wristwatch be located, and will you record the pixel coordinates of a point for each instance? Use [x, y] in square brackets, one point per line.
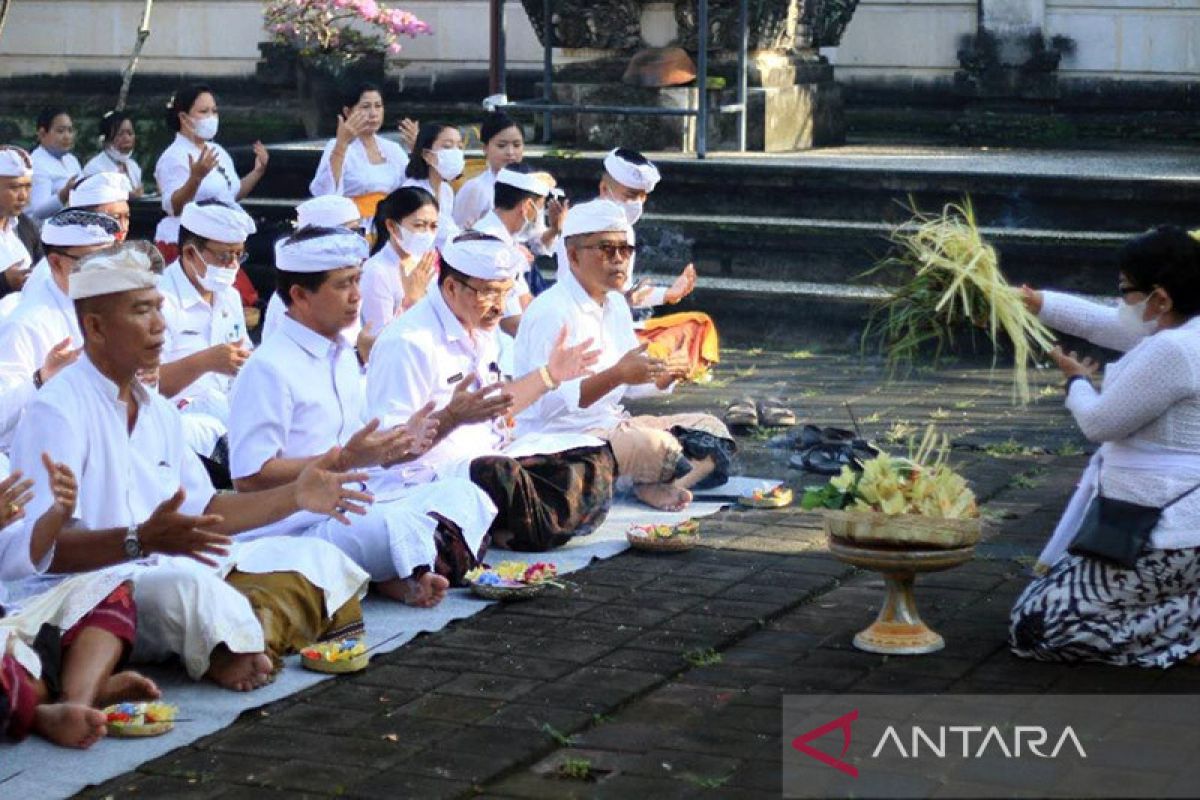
[133, 543]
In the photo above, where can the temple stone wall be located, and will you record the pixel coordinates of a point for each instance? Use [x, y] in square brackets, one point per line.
[911, 42]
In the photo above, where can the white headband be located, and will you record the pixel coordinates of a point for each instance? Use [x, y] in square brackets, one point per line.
[525, 181]
[333, 248]
[14, 162]
[77, 228]
[642, 177]
[217, 222]
[133, 266]
[100, 188]
[487, 259]
[597, 216]
[327, 211]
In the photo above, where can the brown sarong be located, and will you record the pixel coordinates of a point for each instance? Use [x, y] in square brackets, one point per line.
[291, 610]
[544, 500]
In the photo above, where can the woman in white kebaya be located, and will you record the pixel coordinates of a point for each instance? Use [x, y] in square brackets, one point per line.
[358, 162]
[1146, 417]
[437, 160]
[117, 140]
[403, 262]
[503, 146]
[55, 169]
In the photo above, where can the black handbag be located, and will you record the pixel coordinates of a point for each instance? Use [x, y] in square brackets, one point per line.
[1116, 531]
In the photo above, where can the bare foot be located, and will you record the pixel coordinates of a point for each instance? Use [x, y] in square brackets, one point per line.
[423, 592]
[125, 687]
[70, 724]
[663, 496]
[241, 672]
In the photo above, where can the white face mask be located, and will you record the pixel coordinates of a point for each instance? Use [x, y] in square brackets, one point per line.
[531, 225]
[206, 127]
[116, 155]
[1130, 317]
[416, 243]
[450, 163]
[216, 278]
[632, 209]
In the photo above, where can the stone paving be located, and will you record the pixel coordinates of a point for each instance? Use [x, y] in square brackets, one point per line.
[662, 675]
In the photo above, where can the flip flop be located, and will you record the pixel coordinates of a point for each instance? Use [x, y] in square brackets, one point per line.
[742, 414]
[774, 413]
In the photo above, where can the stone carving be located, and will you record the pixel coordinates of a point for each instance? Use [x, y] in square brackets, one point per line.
[590, 24]
[794, 26]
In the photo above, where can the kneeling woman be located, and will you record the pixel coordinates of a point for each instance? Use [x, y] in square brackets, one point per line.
[1147, 417]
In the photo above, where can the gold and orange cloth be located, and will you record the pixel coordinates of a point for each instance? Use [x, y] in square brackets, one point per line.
[691, 333]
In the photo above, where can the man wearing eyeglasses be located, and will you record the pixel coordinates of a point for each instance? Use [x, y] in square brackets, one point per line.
[662, 457]
[206, 338]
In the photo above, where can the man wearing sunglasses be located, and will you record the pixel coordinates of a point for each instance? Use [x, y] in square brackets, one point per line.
[663, 457]
[206, 338]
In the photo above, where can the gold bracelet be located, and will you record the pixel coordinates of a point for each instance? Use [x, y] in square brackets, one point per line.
[547, 379]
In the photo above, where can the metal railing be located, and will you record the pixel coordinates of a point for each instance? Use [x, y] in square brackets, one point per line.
[547, 107]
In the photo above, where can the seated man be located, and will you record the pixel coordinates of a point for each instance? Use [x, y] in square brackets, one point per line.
[58, 654]
[444, 351]
[664, 457]
[19, 246]
[105, 193]
[206, 341]
[628, 180]
[42, 336]
[143, 498]
[301, 393]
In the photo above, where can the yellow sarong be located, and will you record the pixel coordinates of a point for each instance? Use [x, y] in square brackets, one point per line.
[367, 203]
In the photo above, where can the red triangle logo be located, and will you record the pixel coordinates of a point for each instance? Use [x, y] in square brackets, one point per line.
[800, 743]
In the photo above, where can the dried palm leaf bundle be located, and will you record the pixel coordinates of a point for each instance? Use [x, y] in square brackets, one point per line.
[955, 281]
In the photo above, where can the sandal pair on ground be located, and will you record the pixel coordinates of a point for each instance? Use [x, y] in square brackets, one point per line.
[748, 414]
[825, 450]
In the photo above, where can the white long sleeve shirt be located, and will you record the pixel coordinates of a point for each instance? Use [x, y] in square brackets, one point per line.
[50, 174]
[609, 326]
[44, 317]
[475, 198]
[172, 171]
[1149, 400]
[359, 175]
[382, 289]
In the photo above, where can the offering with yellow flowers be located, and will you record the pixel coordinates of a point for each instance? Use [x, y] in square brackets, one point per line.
[337, 656]
[777, 497]
[664, 538]
[917, 501]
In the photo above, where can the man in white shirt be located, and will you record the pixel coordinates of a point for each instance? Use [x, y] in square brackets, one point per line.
[520, 202]
[302, 393]
[105, 193]
[206, 341]
[144, 498]
[17, 232]
[42, 336]
[663, 457]
[444, 351]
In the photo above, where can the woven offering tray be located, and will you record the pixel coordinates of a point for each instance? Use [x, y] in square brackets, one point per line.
[664, 538]
[512, 580]
[901, 530]
[133, 720]
[778, 497]
[336, 657]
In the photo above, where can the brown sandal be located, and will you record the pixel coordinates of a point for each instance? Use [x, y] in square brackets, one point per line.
[742, 414]
[774, 413]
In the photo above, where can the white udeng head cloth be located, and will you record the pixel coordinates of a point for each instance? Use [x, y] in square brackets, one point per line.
[317, 249]
[100, 188]
[217, 222]
[327, 211]
[127, 267]
[597, 216]
[15, 162]
[643, 177]
[525, 181]
[488, 259]
[77, 228]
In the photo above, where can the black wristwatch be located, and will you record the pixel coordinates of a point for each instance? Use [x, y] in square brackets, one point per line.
[37, 378]
[133, 543]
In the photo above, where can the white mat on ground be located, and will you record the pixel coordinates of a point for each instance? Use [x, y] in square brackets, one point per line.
[35, 769]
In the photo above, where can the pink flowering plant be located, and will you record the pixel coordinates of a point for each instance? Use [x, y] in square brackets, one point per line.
[337, 33]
